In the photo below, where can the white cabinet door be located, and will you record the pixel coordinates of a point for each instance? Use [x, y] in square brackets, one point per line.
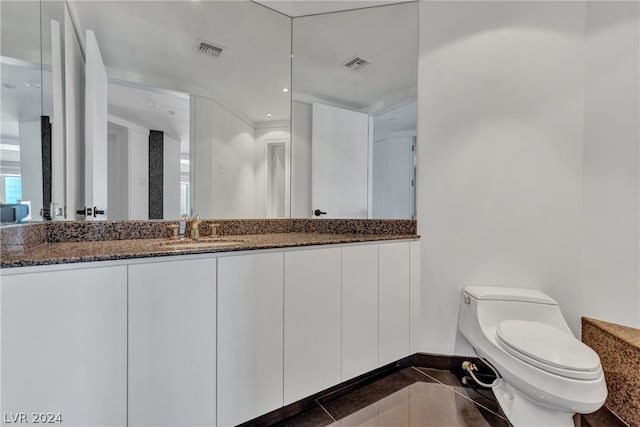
[359, 310]
[394, 302]
[312, 325]
[64, 336]
[250, 336]
[172, 343]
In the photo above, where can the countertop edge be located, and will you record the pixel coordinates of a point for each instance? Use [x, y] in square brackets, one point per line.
[615, 330]
[24, 261]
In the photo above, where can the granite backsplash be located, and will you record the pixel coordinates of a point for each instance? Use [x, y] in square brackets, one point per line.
[21, 237]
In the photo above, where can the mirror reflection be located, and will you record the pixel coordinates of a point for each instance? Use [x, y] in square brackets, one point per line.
[147, 153]
[25, 95]
[354, 113]
[149, 110]
[218, 71]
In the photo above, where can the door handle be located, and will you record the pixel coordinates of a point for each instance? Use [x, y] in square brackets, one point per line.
[90, 212]
[318, 212]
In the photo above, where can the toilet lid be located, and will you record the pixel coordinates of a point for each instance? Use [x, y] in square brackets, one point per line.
[548, 348]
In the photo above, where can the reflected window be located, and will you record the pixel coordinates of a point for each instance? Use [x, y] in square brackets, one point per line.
[13, 189]
[185, 202]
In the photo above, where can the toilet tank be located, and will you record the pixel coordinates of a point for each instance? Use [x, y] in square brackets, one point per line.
[484, 307]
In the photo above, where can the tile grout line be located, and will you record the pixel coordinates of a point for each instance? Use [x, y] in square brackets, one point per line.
[457, 392]
[327, 412]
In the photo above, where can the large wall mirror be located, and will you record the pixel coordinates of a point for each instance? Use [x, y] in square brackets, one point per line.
[354, 112]
[147, 110]
[26, 95]
[161, 108]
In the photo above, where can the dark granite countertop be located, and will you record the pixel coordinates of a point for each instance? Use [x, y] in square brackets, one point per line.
[74, 252]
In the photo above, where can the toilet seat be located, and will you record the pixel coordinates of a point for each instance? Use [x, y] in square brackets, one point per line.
[548, 348]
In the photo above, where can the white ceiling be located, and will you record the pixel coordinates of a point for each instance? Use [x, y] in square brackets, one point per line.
[386, 36]
[138, 106]
[400, 120]
[297, 8]
[153, 43]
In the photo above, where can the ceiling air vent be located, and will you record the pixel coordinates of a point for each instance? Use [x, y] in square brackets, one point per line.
[356, 63]
[208, 48]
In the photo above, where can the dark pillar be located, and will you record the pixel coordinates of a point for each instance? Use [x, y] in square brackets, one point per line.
[45, 138]
[156, 174]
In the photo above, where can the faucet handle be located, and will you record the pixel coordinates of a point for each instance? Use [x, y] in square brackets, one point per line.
[173, 228]
[195, 229]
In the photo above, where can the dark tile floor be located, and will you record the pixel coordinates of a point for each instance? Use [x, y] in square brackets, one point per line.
[417, 396]
[409, 397]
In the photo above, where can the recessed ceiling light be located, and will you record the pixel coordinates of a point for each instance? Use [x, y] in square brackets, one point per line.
[33, 84]
[8, 86]
[153, 105]
[171, 113]
[285, 89]
[269, 114]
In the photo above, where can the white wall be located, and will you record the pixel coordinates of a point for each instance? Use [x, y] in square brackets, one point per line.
[224, 169]
[31, 166]
[301, 160]
[500, 153]
[610, 277]
[138, 174]
[118, 172]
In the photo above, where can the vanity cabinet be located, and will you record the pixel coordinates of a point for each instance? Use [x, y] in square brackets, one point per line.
[216, 339]
[394, 293]
[359, 310]
[64, 336]
[312, 321]
[250, 336]
[172, 343]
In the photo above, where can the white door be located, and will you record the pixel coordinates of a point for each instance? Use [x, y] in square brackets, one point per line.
[312, 321]
[57, 136]
[394, 293]
[359, 310]
[250, 336]
[74, 79]
[64, 345]
[339, 165]
[172, 343]
[96, 194]
[393, 178]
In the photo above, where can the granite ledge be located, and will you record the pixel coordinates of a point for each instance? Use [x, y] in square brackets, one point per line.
[627, 334]
[619, 352]
[104, 250]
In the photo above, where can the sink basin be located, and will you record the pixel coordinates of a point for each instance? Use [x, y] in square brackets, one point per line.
[200, 244]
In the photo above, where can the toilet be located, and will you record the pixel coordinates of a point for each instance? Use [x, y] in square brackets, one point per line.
[547, 374]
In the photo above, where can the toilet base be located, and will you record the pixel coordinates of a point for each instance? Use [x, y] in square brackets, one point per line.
[522, 412]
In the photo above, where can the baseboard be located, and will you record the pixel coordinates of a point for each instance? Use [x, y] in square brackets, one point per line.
[423, 360]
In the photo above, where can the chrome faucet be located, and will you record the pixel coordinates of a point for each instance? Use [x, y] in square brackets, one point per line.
[183, 225]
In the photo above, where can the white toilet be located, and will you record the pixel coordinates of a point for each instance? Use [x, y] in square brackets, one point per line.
[547, 374]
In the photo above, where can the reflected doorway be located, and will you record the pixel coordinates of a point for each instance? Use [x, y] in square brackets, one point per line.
[277, 181]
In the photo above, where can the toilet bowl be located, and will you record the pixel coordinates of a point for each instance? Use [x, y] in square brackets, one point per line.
[547, 374]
